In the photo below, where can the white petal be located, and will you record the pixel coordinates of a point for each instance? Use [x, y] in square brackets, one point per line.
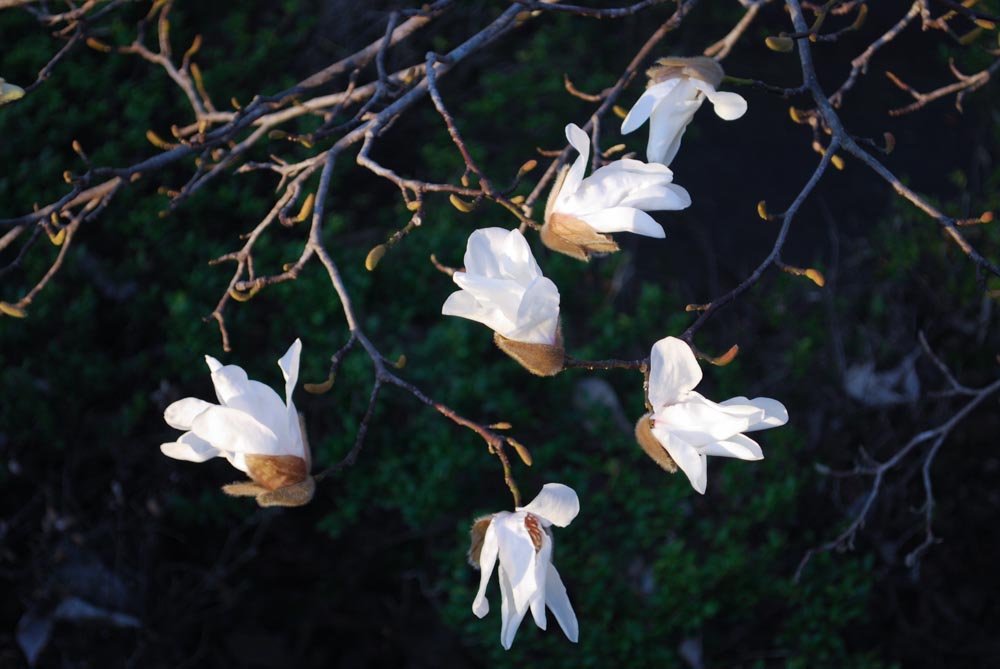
[538, 314]
[688, 458]
[212, 363]
[668, 197]
[556, 504]
[700, 421]
[487, 562]
[232, 430]
[517, 557]
[238, 392]
[673, 372]
[190, 448]
[182, 413]
[542, 561]
[289, 364]
[482, 249]
[581, 142]
[737, 446]
[624, 219]
[643, 107]
[558, 602]
[775, 413]
[510, 616]
[728, 106]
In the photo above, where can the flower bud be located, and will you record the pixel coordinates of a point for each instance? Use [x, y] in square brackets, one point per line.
[649, 443]
[374, 256]
[12, 310]
[781, 43]
[539, 359]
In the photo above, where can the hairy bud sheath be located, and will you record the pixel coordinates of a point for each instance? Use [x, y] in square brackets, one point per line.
[539, 359]
[698, 67]
[477, 535]
[649, 443]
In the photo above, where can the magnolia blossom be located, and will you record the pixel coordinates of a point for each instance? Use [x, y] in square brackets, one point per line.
[615, 198]
[251, 427]
[689, 426]
[503, 288]
[677, 87]
[528, 580]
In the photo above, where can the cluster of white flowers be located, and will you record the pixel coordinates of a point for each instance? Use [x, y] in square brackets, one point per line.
[503, 288]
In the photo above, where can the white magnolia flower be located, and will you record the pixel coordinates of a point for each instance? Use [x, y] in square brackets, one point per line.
[528, 579]
[503, 288]
[615, 198]
[257, 432]
[677, 87]
[689, 426]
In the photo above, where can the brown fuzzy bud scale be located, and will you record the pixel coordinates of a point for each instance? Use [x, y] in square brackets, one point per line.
[276, 471]
[569, 235]
[699, 67]
[539, 359]
[652, 446]
[477, 535]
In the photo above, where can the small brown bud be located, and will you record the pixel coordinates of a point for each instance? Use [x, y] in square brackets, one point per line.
[98, 45]
[522, 451]
[619, 111]
[890, 142]
[859, 20]
[527, 167]
[460, 204]
[762, 210]
[413, 205]
[780, 43]
[652, 446]
[837, 161]
[816, 277]
[12, 310]
[374, 257]
[987, 217]
[319, 388]
[307, 207]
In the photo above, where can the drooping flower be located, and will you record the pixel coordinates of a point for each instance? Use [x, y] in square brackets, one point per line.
[615, 198]
[528, 580]
[503, 288]
[252, 428]
[685, 427]
[676, 89]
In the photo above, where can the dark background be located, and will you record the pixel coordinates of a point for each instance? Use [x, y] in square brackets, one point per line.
[372, 573]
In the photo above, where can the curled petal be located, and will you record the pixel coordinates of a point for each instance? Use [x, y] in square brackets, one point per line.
[774, 412]
[556, 504]
[191, 448]
[581, 142]
[487, 562]
[688, 458]
[737, 446]
[182, 413]
[624, 219]
[728, 106]
[674, 371]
